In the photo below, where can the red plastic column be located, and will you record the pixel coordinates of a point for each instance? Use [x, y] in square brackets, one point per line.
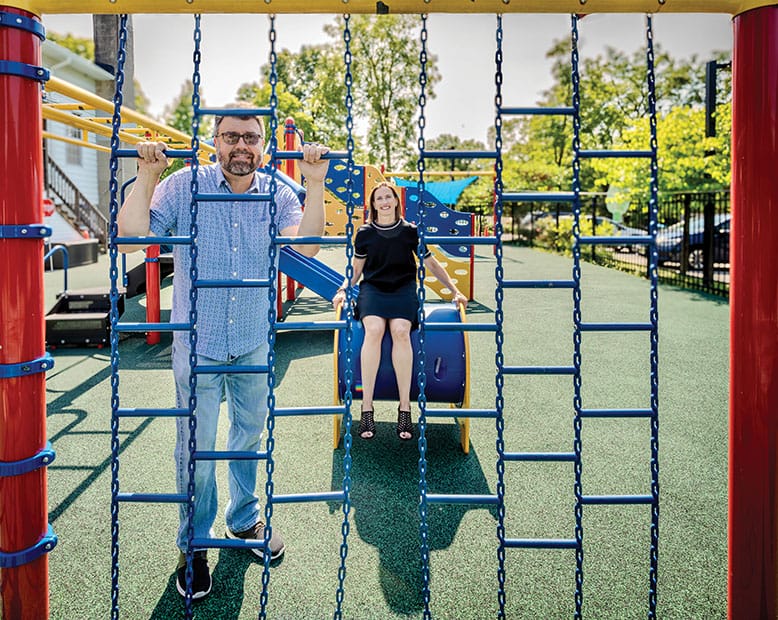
[24, 590]
[152, 291]
[753, 411]
[289, 139]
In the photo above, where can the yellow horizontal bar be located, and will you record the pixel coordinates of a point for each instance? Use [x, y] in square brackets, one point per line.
[733, 7]
[76, 141]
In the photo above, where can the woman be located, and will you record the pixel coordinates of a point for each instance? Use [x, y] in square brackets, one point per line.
[384, 253]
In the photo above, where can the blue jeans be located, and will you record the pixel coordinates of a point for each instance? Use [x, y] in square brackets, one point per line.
[246, 396]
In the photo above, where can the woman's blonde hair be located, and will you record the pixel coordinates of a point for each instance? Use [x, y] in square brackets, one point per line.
[373, 212]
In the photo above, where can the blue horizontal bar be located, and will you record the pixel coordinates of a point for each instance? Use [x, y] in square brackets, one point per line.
[302, 326]
[172, 153]
[311, 240]
[460, 327]
[245, 283]
[538, 370]
[159, 498]
[151, 240]
[616, 413]
[438, 498]
[453, 154]
[539, 456]
[229, 455]
[127, 412]
[591, 154]
[538, 196]
[537, 111]
[293, 411]
[332, 496]
[228, 543]
[616, 499]
[227, 369]
[299, 155]
[235, 111]
[540, 543]
[229, 197]
[616, 327]
[460, 413]
[538, 284]
[637, 240]
[455, 240]
[153, 327]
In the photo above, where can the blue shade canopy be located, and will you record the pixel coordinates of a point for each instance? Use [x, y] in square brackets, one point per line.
[447, 192]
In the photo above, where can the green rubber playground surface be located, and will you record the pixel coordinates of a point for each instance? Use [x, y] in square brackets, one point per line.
[384, 577]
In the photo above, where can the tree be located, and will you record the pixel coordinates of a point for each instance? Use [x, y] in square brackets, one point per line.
[179, 114]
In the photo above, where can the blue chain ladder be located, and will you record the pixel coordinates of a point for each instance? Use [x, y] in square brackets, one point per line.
[349, 372]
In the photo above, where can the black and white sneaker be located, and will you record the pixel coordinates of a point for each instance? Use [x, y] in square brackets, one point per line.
[201, 575]
[257, 532]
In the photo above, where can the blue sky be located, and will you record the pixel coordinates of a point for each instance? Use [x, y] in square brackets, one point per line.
[235, 46]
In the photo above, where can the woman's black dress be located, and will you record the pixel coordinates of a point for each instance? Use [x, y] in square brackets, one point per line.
[388, 287]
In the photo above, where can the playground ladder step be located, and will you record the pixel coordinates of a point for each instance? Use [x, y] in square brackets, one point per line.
[538, 196]
[441, 498]
[538, 284]
[242, 283]
[609, 153]
[460, 413]
[228, 543]
[454, 240]
[307, 326]
[153, 327]
[616, 327]
[540, 543]
[537, 111]
[225, 197]
[311, 240]
[139, 412]
[153, 240]
[616, 413]
[460, 327]
[625, 240]
[295, 411]
[295, 498]
[216, 369]
[235, 112]
[549, 457]
[229, 455]
[454, 154]
[538, 370]
[614, 500]
[152, 498]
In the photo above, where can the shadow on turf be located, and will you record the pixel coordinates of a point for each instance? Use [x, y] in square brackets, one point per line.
[384, 500]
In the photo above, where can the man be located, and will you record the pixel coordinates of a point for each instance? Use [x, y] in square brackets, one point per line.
[233, 243]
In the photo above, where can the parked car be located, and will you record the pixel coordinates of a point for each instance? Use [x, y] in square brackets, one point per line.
[604, 227]
[669, 241]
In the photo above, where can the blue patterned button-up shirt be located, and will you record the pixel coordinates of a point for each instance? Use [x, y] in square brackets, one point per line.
[233, 242]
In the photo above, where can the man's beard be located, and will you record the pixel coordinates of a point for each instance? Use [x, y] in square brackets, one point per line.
[239, 168]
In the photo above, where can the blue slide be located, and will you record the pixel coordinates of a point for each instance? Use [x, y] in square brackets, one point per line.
[310, 272]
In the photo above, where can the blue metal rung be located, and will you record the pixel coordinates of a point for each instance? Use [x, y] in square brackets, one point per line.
[593, 154]
[153, 327]
[616, 327]
[310, 240]
[29, 231]
[453, 154]
[293, 498]
[229, 455]
[171, 153]
[616, 499]
[25, 556]
[460, 327]
[440, 498]
[303, 326]
[294, 411]
[460, 413]
[217, 369]
[152, 240]
[538, 370]
[152, 498]
[128, 412]
[23, 466]
[299, 155]
[235, 112]
[538, 196]
[625, 240]
[562, 284]
[540, 543]
[244, 283]
[616, 413]
[22, 369]
[228, 197]
[544, 111]
[550, 457]
[228, 543]
[454, 240]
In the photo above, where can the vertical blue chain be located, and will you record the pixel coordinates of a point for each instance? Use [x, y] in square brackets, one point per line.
[420, 166]
[349, 372]
[193, 207]
[116, 123]
[271, 315]
[499, 359]
[654, 318]
[577, 403]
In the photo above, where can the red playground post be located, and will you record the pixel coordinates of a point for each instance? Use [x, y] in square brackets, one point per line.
[24, 534]
[753, 409]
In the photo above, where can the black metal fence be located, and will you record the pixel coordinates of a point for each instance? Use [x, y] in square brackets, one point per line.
[692, 241]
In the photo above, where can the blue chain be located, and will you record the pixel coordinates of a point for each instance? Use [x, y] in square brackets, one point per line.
[195, 189]
[577, 402]
[349, 372]
[116, 123]
[499, 359]
[654, 318]
[271, 317]
[420, 166]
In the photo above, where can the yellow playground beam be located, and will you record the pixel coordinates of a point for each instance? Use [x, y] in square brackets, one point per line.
[733, 7]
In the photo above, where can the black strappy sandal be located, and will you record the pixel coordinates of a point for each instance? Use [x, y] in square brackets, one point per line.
[366, 424]
[404, 424]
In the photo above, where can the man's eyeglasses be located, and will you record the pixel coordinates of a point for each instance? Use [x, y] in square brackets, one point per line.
[232, 137]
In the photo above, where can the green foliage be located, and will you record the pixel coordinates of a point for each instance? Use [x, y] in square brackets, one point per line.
[83, 46]
[559, 238]
[179, 115]
[288, 106]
